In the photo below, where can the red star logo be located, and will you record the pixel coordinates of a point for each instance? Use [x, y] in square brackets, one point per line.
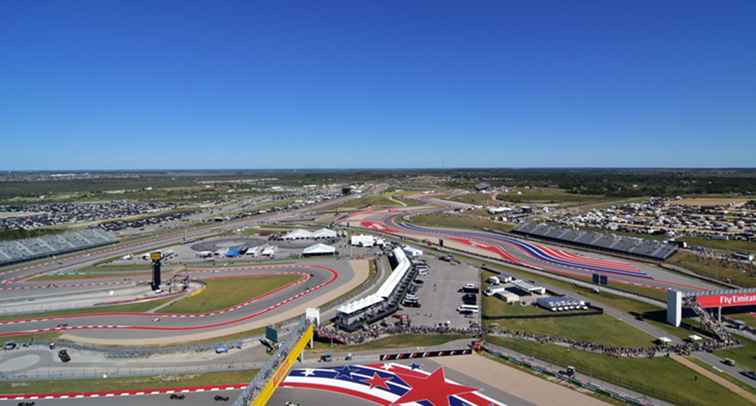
[433, 388]
[377, 381]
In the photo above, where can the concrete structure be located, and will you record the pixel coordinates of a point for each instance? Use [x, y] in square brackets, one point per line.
[528, 287]
[507, 297]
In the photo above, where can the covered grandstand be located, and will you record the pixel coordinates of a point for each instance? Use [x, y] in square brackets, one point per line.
[33, 248]
[608, 242]
[384, 301]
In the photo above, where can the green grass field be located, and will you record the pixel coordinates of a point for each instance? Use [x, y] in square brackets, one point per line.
[720, 270]
[115, 384]
[601, 329]
[547, 195]
[222, 293]
[597, 328]
[378, 200]
[744, 357]
[651, 314]
[482, 199]
[459, 221]
[398, 341]
[662, 378]
[731, 245]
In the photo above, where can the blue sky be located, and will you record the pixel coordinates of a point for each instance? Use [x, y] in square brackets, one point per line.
[179, 84]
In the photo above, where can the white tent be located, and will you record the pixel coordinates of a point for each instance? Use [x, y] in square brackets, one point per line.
[269, 251]
[412, 251]
[324, 233]
[363, 240]
[319, 249]
[298, 234]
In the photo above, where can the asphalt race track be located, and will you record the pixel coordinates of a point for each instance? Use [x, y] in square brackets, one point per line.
[356, 384]
[530, 254]
[315, 278]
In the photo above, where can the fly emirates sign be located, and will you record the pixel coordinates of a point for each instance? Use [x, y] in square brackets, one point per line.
[728, 300]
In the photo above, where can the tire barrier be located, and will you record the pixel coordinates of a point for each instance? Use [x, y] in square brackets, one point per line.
[424, 354]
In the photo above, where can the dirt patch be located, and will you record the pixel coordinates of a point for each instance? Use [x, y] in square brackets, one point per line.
[712, 201]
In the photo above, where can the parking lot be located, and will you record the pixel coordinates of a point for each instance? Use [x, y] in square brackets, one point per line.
[440, 294]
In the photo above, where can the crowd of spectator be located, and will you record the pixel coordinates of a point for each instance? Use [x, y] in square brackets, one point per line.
[660, 349]
[377, 331]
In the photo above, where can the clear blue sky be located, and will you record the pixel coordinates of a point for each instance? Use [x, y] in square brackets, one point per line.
[225, 84]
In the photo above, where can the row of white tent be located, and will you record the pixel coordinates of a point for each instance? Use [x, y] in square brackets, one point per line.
[302, 234]
[266, 250]
[385, 290]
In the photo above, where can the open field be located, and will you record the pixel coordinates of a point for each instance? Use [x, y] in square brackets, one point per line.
[721, 270]
[459, 221]
[722, 375]
[662, 378]
[397, 341]
[729, 245]
[222, 293]
[481, 199]
[713, 201]
[547, 195]
[377, 200]
[116, 384]
[597, 328]
[745, 356]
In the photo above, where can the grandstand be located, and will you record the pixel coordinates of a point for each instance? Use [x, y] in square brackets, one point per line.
[609, 242]
[33, 248]
[384, 301]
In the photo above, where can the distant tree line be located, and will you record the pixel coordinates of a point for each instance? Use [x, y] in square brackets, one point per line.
[621, 182]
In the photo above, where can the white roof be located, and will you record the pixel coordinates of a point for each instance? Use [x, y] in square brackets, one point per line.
[526, 286]
[319, 249]
[297, 234]
[324, 233]
[360, 304]
[413, 251]
[386, 288]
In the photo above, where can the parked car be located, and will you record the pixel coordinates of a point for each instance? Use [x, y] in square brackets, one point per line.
[221, 398]
[63, 355]
[176, 396]
[749, 374]
[27, 403]
[10, 345]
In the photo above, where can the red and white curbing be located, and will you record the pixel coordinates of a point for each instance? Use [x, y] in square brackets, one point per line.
[270, 308]
[133, 392]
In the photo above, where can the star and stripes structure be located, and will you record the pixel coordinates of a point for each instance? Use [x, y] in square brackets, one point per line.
[389, 384]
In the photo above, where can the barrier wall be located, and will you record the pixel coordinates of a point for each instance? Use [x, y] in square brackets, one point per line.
[283, 369]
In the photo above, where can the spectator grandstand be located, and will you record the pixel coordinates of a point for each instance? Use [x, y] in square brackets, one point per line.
[610, 242]
[362, 312]
[40, 247]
